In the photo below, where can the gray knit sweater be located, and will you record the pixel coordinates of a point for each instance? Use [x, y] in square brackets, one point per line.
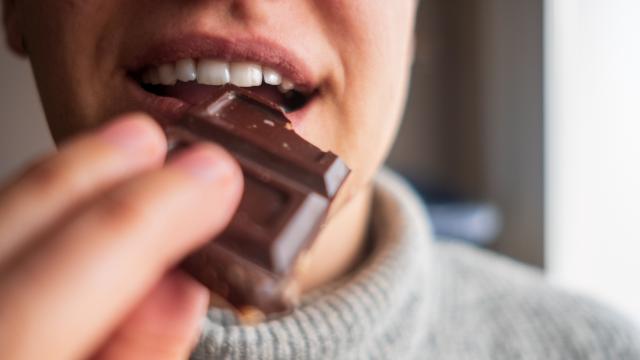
[419, 299]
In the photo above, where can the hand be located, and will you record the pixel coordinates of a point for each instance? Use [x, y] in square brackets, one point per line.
[89, 238]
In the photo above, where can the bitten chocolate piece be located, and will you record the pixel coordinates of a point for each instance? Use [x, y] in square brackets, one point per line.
[289, 184]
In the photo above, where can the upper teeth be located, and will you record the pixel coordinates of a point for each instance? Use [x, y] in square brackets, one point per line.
[216, 72]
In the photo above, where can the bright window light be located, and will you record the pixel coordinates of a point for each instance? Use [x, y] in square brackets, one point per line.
[593, 149]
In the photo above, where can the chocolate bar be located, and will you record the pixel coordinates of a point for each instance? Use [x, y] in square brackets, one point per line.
[288, 186]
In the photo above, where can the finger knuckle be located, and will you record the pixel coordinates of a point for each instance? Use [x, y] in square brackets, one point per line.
[56, 175]
[122, 211]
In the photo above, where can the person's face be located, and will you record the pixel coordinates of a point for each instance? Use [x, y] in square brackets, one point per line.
[89, 57]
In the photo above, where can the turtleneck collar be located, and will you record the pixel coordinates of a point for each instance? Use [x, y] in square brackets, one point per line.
[381, 310]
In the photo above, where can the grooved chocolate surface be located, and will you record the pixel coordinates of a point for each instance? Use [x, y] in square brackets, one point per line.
[289, 184]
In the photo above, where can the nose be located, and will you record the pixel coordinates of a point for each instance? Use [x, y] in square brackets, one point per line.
[251, 10]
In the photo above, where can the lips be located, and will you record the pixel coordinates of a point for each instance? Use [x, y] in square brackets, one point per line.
[193, 81]
[173, 75]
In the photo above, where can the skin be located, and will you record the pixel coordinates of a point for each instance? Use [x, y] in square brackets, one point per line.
[70, 273]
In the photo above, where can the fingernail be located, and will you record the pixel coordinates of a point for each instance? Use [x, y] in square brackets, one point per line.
[204, 161]
[130, 133]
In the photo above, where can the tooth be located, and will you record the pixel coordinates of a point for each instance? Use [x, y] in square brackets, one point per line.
[271, 76]
[186, 70]
[154, 76]
[167, 73]
[213, 72]
[246, 74]
[287, 85]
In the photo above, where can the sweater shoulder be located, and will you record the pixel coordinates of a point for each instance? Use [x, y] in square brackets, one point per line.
[508, 310]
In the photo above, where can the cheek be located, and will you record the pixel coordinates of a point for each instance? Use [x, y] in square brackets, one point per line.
[64, 41]
[373, 38]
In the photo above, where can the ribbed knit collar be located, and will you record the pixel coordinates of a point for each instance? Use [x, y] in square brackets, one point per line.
[380, 311]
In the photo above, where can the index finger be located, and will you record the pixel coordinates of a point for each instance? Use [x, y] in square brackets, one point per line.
[79, 285]
[82, 168]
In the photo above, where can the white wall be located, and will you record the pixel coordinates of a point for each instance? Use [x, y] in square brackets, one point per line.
[593, 148]
[23, 130]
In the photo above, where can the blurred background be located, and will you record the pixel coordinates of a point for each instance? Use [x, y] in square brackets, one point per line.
[521, 133]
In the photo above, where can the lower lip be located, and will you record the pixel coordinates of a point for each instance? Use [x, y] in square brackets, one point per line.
[167, 110]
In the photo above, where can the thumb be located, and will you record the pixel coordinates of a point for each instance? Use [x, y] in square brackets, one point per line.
[164, 326]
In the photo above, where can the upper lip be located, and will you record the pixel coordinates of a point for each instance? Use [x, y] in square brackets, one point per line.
[255, 49]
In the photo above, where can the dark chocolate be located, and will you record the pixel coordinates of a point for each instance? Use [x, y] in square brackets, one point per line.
[288, 185]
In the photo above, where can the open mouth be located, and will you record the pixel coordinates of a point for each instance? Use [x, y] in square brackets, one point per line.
[194, 81]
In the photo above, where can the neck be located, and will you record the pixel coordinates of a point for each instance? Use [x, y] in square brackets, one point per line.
[339, 245]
